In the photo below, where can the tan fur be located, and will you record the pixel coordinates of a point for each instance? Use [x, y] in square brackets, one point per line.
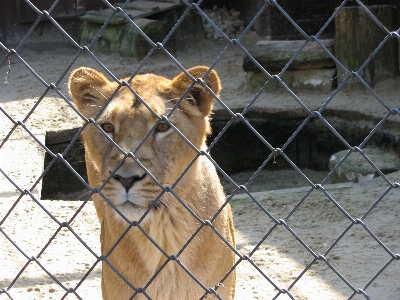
[165, 155]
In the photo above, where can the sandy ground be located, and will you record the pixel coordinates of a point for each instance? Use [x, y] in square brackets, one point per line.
[281, 257]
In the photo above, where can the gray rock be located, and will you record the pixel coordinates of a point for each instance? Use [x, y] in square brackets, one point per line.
[227, 21]
[274, 55]
[356, 168]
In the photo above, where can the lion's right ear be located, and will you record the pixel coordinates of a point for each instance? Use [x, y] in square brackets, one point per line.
[89, 89]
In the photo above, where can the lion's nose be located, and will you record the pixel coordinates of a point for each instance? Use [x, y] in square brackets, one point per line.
[127, 182]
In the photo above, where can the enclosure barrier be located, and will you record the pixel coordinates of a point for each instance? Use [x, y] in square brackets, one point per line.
[360, 221]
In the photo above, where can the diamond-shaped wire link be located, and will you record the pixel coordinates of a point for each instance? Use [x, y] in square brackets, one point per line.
[278, 223]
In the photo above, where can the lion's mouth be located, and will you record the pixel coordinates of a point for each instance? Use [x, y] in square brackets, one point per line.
[148, 206]
[129, 203]
[132, 204]
[129, 207]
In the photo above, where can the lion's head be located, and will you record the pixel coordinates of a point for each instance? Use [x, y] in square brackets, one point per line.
[142, 119]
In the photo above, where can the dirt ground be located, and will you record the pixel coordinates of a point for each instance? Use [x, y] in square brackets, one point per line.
[318, 220]
[281, 257]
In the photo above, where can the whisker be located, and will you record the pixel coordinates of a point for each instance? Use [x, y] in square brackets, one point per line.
[170, 108]
[169, 100]
[98, 91]
[172, 99]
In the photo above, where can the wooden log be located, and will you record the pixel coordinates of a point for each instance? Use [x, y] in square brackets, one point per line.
[313, 79]
[132, 44]
[274, 55]
[124, 39]
[357, 36]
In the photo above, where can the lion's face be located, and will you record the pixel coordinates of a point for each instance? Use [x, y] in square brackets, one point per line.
[143, 127]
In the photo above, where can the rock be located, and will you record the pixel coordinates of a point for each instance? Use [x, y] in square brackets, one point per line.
[235, 14]
[357, 36]
[208, 28]
[227, 20]
[230, 29]
[274, 55]
[356, 169]
[217, 35]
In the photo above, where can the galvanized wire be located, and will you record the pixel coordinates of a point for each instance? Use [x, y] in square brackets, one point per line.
[235, 117]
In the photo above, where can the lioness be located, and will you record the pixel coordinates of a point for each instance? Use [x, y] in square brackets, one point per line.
[164, 226]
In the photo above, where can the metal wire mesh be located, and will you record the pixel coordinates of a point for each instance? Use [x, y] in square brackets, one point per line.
[359, 221]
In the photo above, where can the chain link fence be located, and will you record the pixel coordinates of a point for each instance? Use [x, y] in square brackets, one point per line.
[324, 258]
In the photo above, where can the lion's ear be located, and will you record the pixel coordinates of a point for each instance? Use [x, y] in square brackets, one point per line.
[202, 97]
[89, 89]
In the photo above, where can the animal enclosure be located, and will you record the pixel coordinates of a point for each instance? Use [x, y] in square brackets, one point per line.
[320, 241]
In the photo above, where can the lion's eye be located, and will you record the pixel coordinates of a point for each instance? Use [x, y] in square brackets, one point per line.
[162, 126]
[107, 127]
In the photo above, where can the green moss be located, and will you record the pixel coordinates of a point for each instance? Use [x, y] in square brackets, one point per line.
[132, 44]
[124, 39]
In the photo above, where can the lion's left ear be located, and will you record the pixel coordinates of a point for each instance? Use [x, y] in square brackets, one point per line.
[202, 98]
